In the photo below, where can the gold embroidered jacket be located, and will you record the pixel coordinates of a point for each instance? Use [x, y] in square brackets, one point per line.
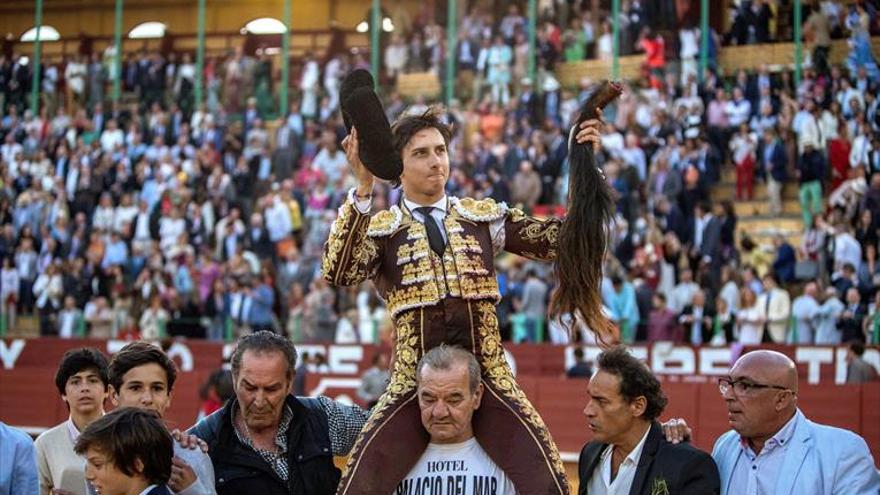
[392, 249]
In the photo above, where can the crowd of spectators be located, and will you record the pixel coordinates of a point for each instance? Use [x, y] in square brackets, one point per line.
[154, 217]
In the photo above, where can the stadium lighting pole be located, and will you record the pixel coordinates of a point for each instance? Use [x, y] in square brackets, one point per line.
[798, 42]
[704, 39]
[35, 84]
[375, 29]
[533, 19]
[451, 35]
[615, 36]
[285, 62]
[117, 42]
[200, 52]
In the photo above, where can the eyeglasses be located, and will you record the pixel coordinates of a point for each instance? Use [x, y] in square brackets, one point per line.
[743, 387]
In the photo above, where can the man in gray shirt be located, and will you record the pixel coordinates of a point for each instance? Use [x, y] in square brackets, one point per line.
[375, 380]
[533, 303]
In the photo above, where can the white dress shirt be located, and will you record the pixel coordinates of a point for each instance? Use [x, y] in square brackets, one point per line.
[438, 212]
[601, 483]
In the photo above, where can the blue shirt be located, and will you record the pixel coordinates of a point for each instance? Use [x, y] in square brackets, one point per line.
[756, 474]
[116, 254]
[18, 463]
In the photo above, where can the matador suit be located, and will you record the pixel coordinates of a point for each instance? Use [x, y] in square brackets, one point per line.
[449, 299]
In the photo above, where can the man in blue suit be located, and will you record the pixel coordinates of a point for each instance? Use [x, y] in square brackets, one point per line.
[18, 465]
[773, 448]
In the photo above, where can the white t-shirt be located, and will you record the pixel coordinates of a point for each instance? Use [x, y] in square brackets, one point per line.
[446, 469]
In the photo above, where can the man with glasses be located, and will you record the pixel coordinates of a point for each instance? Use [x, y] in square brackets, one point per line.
[773, 448]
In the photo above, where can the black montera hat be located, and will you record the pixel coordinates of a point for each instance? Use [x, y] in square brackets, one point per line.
[374, 133]
[358, 78]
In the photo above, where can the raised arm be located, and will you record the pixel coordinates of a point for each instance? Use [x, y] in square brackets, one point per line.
[350, 257]
[538, 239]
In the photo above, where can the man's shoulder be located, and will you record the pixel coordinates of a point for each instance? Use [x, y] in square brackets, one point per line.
[385, 222]
[725, 441]
[51, 436]
[588, 460]
[832, 436]
[479, 210]
[15, 436]
[682, 453]
[208, 428]
[193, 457]
[589, 451]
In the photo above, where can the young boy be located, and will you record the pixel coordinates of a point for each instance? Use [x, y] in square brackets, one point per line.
[82, 382]
[141, 375]
[128, 452]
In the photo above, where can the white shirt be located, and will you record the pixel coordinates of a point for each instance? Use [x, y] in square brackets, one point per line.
[750, 333]
[846, 250]
[111, 139]
[278, 220]
[805, 309]
[438, 213]
[738, 112]
[601, 483]
[463, 466]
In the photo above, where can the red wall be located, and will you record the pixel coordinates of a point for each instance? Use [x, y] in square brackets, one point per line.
[28, 396]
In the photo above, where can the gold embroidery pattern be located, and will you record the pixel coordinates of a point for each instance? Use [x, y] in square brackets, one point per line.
[385, 222]
[414, 296]
[464, 244]
[471, 265]
[416, 271]
[516, 215]
[403, 381]
[498, 373]
[363, 255]
[535, 232]
[333, 249]
[414, 251]
[484, 210]
[549, 256]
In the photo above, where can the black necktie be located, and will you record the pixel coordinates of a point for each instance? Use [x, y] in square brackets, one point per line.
[435, 238]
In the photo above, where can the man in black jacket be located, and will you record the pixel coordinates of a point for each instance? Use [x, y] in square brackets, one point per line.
[629, 453]
[266, 441]
[697, 320]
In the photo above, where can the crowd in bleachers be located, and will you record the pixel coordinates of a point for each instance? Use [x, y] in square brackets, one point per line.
[155, 217]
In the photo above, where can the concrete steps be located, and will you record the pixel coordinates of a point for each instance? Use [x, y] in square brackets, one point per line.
[727, 190]
[754, 216]
[761, 207]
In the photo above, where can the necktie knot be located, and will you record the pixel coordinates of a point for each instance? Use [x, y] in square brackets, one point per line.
[435, 238]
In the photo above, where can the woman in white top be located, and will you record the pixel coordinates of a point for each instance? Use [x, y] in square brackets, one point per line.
[153, 319]
[689, 41]
[9, 287]
[48, 290]
[749, 322]
[604, 48]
